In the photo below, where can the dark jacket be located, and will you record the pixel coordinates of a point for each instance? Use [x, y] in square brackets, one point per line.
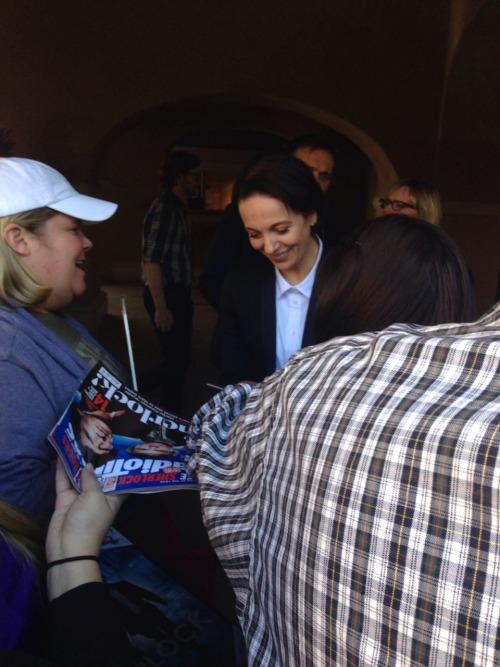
[244, 342]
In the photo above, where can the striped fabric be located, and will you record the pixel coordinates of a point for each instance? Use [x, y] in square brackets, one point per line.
[166, 239]
[355, 501]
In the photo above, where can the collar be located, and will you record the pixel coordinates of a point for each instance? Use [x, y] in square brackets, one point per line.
[306, 286]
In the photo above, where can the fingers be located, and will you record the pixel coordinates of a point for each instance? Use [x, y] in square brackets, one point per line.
[89, 480]
[117, 501]
[63, 482]
[164, 321]
[90, 485]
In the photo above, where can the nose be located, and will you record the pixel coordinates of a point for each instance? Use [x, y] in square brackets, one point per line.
[270, 245]
[87, 243]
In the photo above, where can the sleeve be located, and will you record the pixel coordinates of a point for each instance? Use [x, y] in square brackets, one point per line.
[228, 466]
[156, 233]
[85, 630]
[229, 244]
[27, 460]
[231, 349]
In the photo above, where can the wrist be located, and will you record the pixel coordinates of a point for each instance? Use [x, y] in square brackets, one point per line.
[69, 574]
[71, 559]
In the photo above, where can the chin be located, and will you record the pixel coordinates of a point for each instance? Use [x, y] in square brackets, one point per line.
[79, 290]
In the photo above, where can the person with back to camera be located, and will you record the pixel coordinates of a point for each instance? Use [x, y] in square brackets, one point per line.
[267, 302]
[344, 493]
[168, 271]
[392, 269]
[414, 198]
[44, 354]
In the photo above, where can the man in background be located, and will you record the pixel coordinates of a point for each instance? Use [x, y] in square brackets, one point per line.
[317, 153]
[168, 271]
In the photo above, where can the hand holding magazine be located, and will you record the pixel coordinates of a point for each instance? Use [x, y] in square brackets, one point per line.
[134, 445]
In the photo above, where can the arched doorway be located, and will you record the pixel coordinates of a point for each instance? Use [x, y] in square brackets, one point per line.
[227, 130]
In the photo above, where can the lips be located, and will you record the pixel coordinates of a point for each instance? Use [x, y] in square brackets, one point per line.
[282, 257]
[81, 263]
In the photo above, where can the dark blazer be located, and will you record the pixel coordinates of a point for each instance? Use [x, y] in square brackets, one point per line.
[244, 342]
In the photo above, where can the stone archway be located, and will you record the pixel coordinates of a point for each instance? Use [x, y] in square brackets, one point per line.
[125, 163]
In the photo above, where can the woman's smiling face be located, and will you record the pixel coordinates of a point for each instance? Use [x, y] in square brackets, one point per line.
[283, 236]
[57, 259]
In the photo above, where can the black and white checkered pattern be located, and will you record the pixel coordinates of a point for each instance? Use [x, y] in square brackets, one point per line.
[355, 501]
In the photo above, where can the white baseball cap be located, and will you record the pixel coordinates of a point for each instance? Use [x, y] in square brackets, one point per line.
[28, 184]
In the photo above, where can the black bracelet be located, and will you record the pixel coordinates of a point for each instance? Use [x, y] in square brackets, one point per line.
[71, 560]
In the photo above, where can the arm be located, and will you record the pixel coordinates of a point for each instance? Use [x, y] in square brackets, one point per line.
[229, 355]
[84, 625]
[237, 350]
[229, 245]
[27, 460]
[77, 528]
[154, 278]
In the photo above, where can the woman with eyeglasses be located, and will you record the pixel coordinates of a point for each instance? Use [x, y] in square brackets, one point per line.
[414, 198]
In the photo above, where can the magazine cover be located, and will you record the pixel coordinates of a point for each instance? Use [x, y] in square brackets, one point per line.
[133, 445]
[167, 626]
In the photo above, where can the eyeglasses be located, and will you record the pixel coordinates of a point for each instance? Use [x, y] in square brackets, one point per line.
[195, 174]
[395, 204]
[325, 176]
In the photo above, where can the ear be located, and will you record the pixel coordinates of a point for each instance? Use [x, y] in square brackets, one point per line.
[312, 219]
[17, 238]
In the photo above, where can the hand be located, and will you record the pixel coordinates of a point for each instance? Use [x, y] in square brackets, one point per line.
[163, 319]
[80, 521]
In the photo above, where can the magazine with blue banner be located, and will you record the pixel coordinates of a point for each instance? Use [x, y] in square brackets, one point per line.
[134, 445]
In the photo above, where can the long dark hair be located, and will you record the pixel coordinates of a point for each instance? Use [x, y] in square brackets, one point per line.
[393, 269]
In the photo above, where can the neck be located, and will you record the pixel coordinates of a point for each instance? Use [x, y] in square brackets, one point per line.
[181, 193]
[297, 275]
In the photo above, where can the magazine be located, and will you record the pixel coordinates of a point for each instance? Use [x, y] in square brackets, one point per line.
[166, 624]
[134, 445]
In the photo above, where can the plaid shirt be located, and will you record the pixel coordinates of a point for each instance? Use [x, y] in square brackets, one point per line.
[166, 239]
[355, 501]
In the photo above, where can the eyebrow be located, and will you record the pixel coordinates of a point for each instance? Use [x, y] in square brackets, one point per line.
[275, 224]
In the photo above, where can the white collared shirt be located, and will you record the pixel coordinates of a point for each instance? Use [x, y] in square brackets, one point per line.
[292, 303]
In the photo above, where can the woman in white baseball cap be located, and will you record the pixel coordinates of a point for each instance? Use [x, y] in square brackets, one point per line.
[44, 354]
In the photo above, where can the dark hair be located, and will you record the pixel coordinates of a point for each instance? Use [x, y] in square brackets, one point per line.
[311, 141]
[175, 163]
[394, 269]
[285, 178]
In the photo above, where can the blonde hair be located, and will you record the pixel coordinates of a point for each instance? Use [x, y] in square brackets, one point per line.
[18, 286]
[427, 199]
[21, 533]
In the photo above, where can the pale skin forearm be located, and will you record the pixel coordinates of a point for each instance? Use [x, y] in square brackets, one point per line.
[154, 278]
[65, 577]
[77, 528]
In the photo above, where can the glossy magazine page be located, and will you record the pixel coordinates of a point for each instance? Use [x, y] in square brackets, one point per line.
[134, 445]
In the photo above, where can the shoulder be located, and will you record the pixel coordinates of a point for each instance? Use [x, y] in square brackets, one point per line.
[16, 325]
[246, 279]
[253, 267]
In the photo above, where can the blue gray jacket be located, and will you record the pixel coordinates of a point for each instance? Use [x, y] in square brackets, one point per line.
[39, 374]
